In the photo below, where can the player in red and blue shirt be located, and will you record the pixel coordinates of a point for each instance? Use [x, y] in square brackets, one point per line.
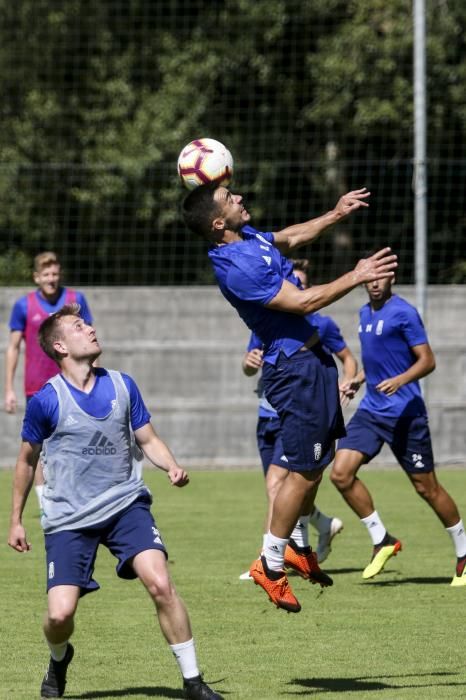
[300, 377]
[26, 317]
[395, 355]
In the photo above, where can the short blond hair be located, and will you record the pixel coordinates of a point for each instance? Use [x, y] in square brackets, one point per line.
[45, 259]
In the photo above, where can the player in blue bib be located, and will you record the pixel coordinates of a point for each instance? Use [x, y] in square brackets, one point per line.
[395, 355]
[300, 377]
[268, 433]
[91, 428]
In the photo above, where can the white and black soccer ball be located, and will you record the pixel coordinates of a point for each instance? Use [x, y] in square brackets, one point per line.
[203, 161]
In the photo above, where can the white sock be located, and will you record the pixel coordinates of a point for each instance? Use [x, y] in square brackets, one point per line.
[264, 540]
[274, 551]
[458, 537]
[39, 489]
[58, 651]
[320, 521]
[375, 527]
[300, 533]
[185, 654]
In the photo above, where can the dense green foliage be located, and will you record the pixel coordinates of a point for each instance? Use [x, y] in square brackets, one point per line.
[98, 98]
[397, 637]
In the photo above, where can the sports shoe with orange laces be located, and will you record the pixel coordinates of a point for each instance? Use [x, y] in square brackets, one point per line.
[304, 561]
[275, 584]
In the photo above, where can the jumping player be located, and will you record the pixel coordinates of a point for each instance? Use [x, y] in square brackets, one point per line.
[300, 377]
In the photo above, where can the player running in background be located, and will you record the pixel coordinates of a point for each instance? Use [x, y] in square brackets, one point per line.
[26, 317]
[300, 377]
[395, 355]
[93, 428]
[268, 430]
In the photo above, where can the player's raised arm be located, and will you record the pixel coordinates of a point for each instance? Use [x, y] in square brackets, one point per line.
[292, 237]
[379, 266]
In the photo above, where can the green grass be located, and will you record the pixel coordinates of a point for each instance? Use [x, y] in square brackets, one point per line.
[399, 636]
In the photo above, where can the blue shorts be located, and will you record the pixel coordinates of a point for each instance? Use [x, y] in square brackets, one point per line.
[407, 436]
[303, 389]
[269, 442]
[71, 553]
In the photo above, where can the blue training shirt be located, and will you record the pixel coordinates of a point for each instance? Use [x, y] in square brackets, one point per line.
[330, 336]
[386, 337]
[42, 411]
[250, 273]
[19, 311]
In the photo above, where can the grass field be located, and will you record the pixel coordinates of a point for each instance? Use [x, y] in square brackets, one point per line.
[400, 636]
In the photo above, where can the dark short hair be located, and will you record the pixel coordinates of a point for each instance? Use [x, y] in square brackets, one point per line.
[301, 264]
[49, 331]
[199, 209]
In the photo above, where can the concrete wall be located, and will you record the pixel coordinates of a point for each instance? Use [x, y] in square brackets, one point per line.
[184, 348]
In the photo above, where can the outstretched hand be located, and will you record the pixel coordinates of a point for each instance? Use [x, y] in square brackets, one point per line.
[381, 265]
[351, 201]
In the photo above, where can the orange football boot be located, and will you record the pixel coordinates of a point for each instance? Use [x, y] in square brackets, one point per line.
[304, 561]
[275, 584]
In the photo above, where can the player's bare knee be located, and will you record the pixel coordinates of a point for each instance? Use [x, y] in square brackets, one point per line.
[59, 617]
[428, 492]
[341, 479]
[160, 589]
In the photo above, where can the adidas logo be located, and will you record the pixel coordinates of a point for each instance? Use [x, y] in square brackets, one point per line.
[70, 421]
[99, 445]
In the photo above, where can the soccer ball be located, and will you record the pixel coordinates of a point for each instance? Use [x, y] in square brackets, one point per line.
[203, 161]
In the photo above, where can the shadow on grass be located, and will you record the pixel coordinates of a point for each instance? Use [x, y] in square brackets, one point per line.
[435, 580]
[144, 691]
[341, 571]
[368, 683]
